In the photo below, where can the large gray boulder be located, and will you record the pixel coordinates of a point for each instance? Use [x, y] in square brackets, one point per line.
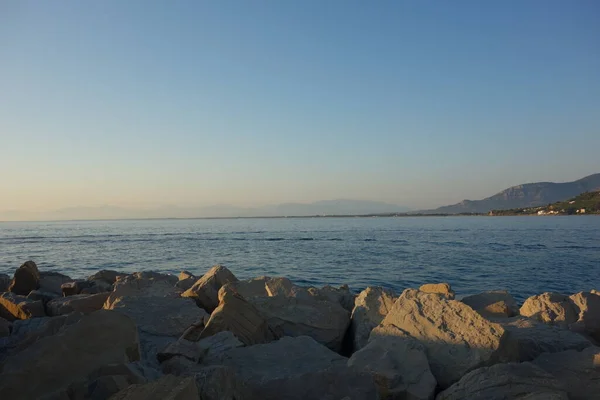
[220, 383]
[84, 303]
[530, 338]
[370, 308]
[297, 368]
[551, 308]
[203, 350]
[579, 371]
[5, 327]
[399, 367]
[52, 363]
[493, 304]
[238, 316]
[169, 387]
[588, 320]
[506, 381]
[106, 275]
[206, 290]
[14, 306]
[51, 282]
[456, 338]
[26, 279]
[151, 300]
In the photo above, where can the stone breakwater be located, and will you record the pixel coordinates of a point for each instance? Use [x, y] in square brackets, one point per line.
[148, 335]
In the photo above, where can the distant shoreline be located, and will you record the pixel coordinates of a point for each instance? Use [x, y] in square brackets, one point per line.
[299, 217]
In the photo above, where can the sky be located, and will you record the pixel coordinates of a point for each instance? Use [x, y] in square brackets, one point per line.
[418, 103]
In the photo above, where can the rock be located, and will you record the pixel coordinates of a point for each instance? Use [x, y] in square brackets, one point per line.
[342, 295]
[84, 303]
[206, 290]
[183, 275]
[493, 304]
[220, 383]
[4, 327]
[151, 301]
[51, 282]
[506, 381]
[440, 288]
[144, 284]
[4, 282]
[325, 321]
[297, 368]
[531, 338]
[336, 383]
[106, 275]
[399, 367]
[75, 287]
[185, 284]
[588, 321]
[182, 348]
[44, 297]
[236, 315]
[370, 307]
[26, 279]
[214, 346]
[28, 331]
[106, 381]
[13, 306]
[168, 387]
[551, 308]
[456, 338]
[257, 287]
[52, 363]
[160, 316]
[150, 346]
[578, 371]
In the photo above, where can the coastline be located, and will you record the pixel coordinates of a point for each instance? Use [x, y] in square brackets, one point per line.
[147, 335]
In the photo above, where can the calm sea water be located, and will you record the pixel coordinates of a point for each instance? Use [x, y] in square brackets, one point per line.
[526, 255]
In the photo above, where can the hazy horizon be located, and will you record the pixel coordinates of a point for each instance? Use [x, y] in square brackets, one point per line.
[193, 104]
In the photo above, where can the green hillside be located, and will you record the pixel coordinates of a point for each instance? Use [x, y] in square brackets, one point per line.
[585, 203]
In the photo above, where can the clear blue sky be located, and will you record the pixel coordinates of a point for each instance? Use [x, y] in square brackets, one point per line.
[418, 103]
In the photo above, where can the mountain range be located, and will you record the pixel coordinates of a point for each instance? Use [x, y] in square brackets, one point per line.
[325, 207]
[525, 195]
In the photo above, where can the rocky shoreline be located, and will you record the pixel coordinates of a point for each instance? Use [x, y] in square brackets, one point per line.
[148, 335]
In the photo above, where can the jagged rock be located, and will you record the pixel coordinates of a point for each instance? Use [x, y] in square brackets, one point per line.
[456, 338]
[236, 315]
[220, 383]
[4, 327]
[13, 306]
[493, 304]
[297, 368]
[588, 321]
[105, 381]
[151, 301]
[160, 316]
[214, 346]
[144, 284]
[443, 289]
[325, 321]
[106, 275]
[342, 295]
[52, 363]
[206, 290]
[26, 279]
[551, 308]
[579, 371]
[84, 303]
[150, 346]
[51, 281]
[399, 367]
[4, 282]
[75, 287]
[257, 287]
[44, 297]
[530, 338]
[28, 331]
[370, 307]
[186, 280]
[506, 381]
[182, 348]
[168, 387]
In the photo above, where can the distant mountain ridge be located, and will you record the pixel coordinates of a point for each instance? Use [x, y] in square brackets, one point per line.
[525, 195]
[324, 207]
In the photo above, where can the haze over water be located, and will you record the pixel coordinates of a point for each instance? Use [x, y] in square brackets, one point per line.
[524, 255]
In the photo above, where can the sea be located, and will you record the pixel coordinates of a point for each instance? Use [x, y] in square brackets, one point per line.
[525, 255]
